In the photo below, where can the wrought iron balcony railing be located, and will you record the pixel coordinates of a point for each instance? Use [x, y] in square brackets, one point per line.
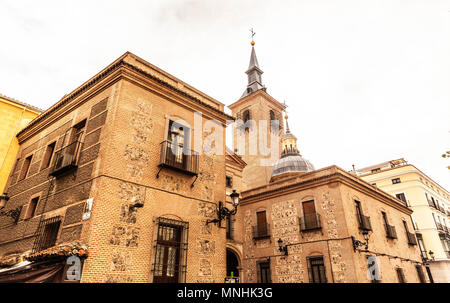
[261, 231]
[391, 233]
[178, 157]
[364, 223]
[411, 238]
[66, 159]
[310, 222]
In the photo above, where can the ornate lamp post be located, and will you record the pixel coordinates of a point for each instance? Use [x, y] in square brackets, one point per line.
[223, 212]
[357, 243]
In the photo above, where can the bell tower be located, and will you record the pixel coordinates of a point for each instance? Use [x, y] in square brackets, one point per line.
[258, 127]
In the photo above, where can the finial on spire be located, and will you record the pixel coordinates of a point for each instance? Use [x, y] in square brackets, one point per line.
[253, 34]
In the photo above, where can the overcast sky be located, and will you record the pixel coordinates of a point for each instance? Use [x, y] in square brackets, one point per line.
[365, 81]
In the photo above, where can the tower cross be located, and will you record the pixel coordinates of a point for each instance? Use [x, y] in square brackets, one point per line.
[253, 33]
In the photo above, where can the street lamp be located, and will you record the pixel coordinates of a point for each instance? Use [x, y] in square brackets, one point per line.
[357, 243]
[223, 212]
[13, 213]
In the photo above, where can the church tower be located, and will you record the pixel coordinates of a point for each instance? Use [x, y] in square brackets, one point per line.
[262, 119]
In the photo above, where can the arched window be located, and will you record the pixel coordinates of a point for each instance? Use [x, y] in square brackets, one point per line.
[273, 121]
[246, 115]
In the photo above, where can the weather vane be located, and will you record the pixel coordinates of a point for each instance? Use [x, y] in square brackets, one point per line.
[253, 34]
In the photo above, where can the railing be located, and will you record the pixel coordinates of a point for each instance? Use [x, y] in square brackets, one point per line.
[391, 233]
[65, 159]
[411, 238]
[310, 222]
[364, 223]
[261, 231]
[178, 157]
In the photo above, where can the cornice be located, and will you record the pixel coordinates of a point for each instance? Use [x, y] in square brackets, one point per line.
[338, 175]
[74, 97]
[258, 92]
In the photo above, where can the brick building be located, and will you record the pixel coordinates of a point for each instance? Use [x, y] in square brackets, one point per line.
[97, 168]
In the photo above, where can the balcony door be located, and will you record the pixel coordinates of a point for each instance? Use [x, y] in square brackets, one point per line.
[309, 212]
[178, 137]
[261, 223]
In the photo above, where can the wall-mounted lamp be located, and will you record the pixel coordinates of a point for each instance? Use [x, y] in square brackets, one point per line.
[431, 255]
[282, 248]
[136, 205]
[357, 243]
[223, 212]
[13, 213]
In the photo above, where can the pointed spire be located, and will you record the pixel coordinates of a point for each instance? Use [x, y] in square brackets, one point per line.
[254, 73]
[253, 60]
[287, 124]
[288, 141]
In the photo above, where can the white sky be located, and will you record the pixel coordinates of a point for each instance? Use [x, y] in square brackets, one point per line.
[365, 81]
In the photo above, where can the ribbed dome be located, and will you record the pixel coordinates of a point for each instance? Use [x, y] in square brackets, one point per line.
[291, 163]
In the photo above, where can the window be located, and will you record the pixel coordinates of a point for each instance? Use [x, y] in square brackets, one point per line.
[78, 132]
[264, 274]
[273, 121]
[400, 275]
[316, 269]
[167, 254]
[229, 181]
[47, 233]
[374, 184]
[175, 151]
[364, 221]
[25, 167]
[422, 247]
[375, 170]
[261, 230]
[420, 274]
[246, 116]
[31, 209]
[396, 181]
[391, 233]
[310, 220]
[401, 196]
[48, 155]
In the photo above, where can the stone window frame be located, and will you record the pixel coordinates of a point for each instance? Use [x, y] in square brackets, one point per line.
[184, 242]
[183, 122]
[406, 198]
[31, 154]
[258, 269]
[316, 255]
[37, 195]
[54, 141]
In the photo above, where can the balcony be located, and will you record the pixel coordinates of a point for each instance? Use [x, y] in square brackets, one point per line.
[65, 159]
[411, 238]
[310, 222]
[179, 158]
[391, 233]
[364, 223]
[261, 231]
